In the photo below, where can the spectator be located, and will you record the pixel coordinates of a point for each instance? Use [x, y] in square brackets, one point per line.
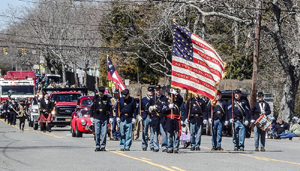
[67, 84]
[280, 127]
[106, 90]
[294, 130]
[271, 130]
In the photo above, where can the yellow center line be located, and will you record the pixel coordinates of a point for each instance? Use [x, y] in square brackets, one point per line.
[268, 159]
[49, 134]
[142, 160]
[205, 147]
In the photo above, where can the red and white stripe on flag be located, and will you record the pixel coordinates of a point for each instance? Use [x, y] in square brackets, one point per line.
[196, 65]
[114, 76]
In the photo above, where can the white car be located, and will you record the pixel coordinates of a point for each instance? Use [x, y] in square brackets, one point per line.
[34, 114]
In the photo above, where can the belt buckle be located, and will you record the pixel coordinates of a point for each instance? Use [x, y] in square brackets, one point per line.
[126, 114]
[196, 115]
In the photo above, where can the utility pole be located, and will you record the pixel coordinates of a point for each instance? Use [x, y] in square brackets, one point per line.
[256, 52]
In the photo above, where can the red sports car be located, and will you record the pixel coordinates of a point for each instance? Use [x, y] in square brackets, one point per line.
[81, 122]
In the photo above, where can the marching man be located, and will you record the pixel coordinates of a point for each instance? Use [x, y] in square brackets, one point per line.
[127, 107]
[158, 120]
[173, 126]
[238, 112]
[145, 103]
[196, 117]
[101, 111]
[259, 108]
[218, 119]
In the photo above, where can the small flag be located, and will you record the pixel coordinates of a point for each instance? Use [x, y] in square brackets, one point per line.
[113, 74]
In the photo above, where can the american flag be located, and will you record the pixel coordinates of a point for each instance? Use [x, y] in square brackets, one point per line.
[114, 76]
[196, 65]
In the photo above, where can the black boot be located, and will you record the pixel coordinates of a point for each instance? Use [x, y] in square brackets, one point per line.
[23, 127]
[48, 127]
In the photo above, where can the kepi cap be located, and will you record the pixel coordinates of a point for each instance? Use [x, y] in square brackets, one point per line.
[101, 90]
[157, 87]
[125, 92]
[237, 91]
[260, 94]
[150, 89]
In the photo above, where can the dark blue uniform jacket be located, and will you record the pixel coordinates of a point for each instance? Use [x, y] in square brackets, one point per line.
[196, 108]
[102, 107]
[127, 108]
[173, 124]
[255, 111]
[219, 111]
[157, 116]
[240, 110]
[145, 104]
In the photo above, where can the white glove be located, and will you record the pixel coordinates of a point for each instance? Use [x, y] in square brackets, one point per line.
[181, 122]
[186, 121]
[118, 120]
[92, 119]
[231, 120]
[246, 123]
[205, 121]
[111, 120]
[133, 121]
[151, 109]
[226, 123]
[210, 121]
[263, 112]
[139, 118]
[171, 106]
[173, 92]
[252, 121]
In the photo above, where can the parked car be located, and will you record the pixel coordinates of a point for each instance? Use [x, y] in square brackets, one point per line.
[34, 114]
[81, 122]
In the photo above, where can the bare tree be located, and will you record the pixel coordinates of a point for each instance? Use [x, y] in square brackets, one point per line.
[66, 33]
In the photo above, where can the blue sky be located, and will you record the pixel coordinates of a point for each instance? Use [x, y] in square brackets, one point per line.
[13, 3]
[5, 4]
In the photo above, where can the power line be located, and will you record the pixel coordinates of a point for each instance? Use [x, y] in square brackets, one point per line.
[23, 18]
[30, 37]
[13, 35]
[60, 47]
[78, 24]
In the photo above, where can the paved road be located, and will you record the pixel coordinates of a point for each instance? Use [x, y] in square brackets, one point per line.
[34, 150]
